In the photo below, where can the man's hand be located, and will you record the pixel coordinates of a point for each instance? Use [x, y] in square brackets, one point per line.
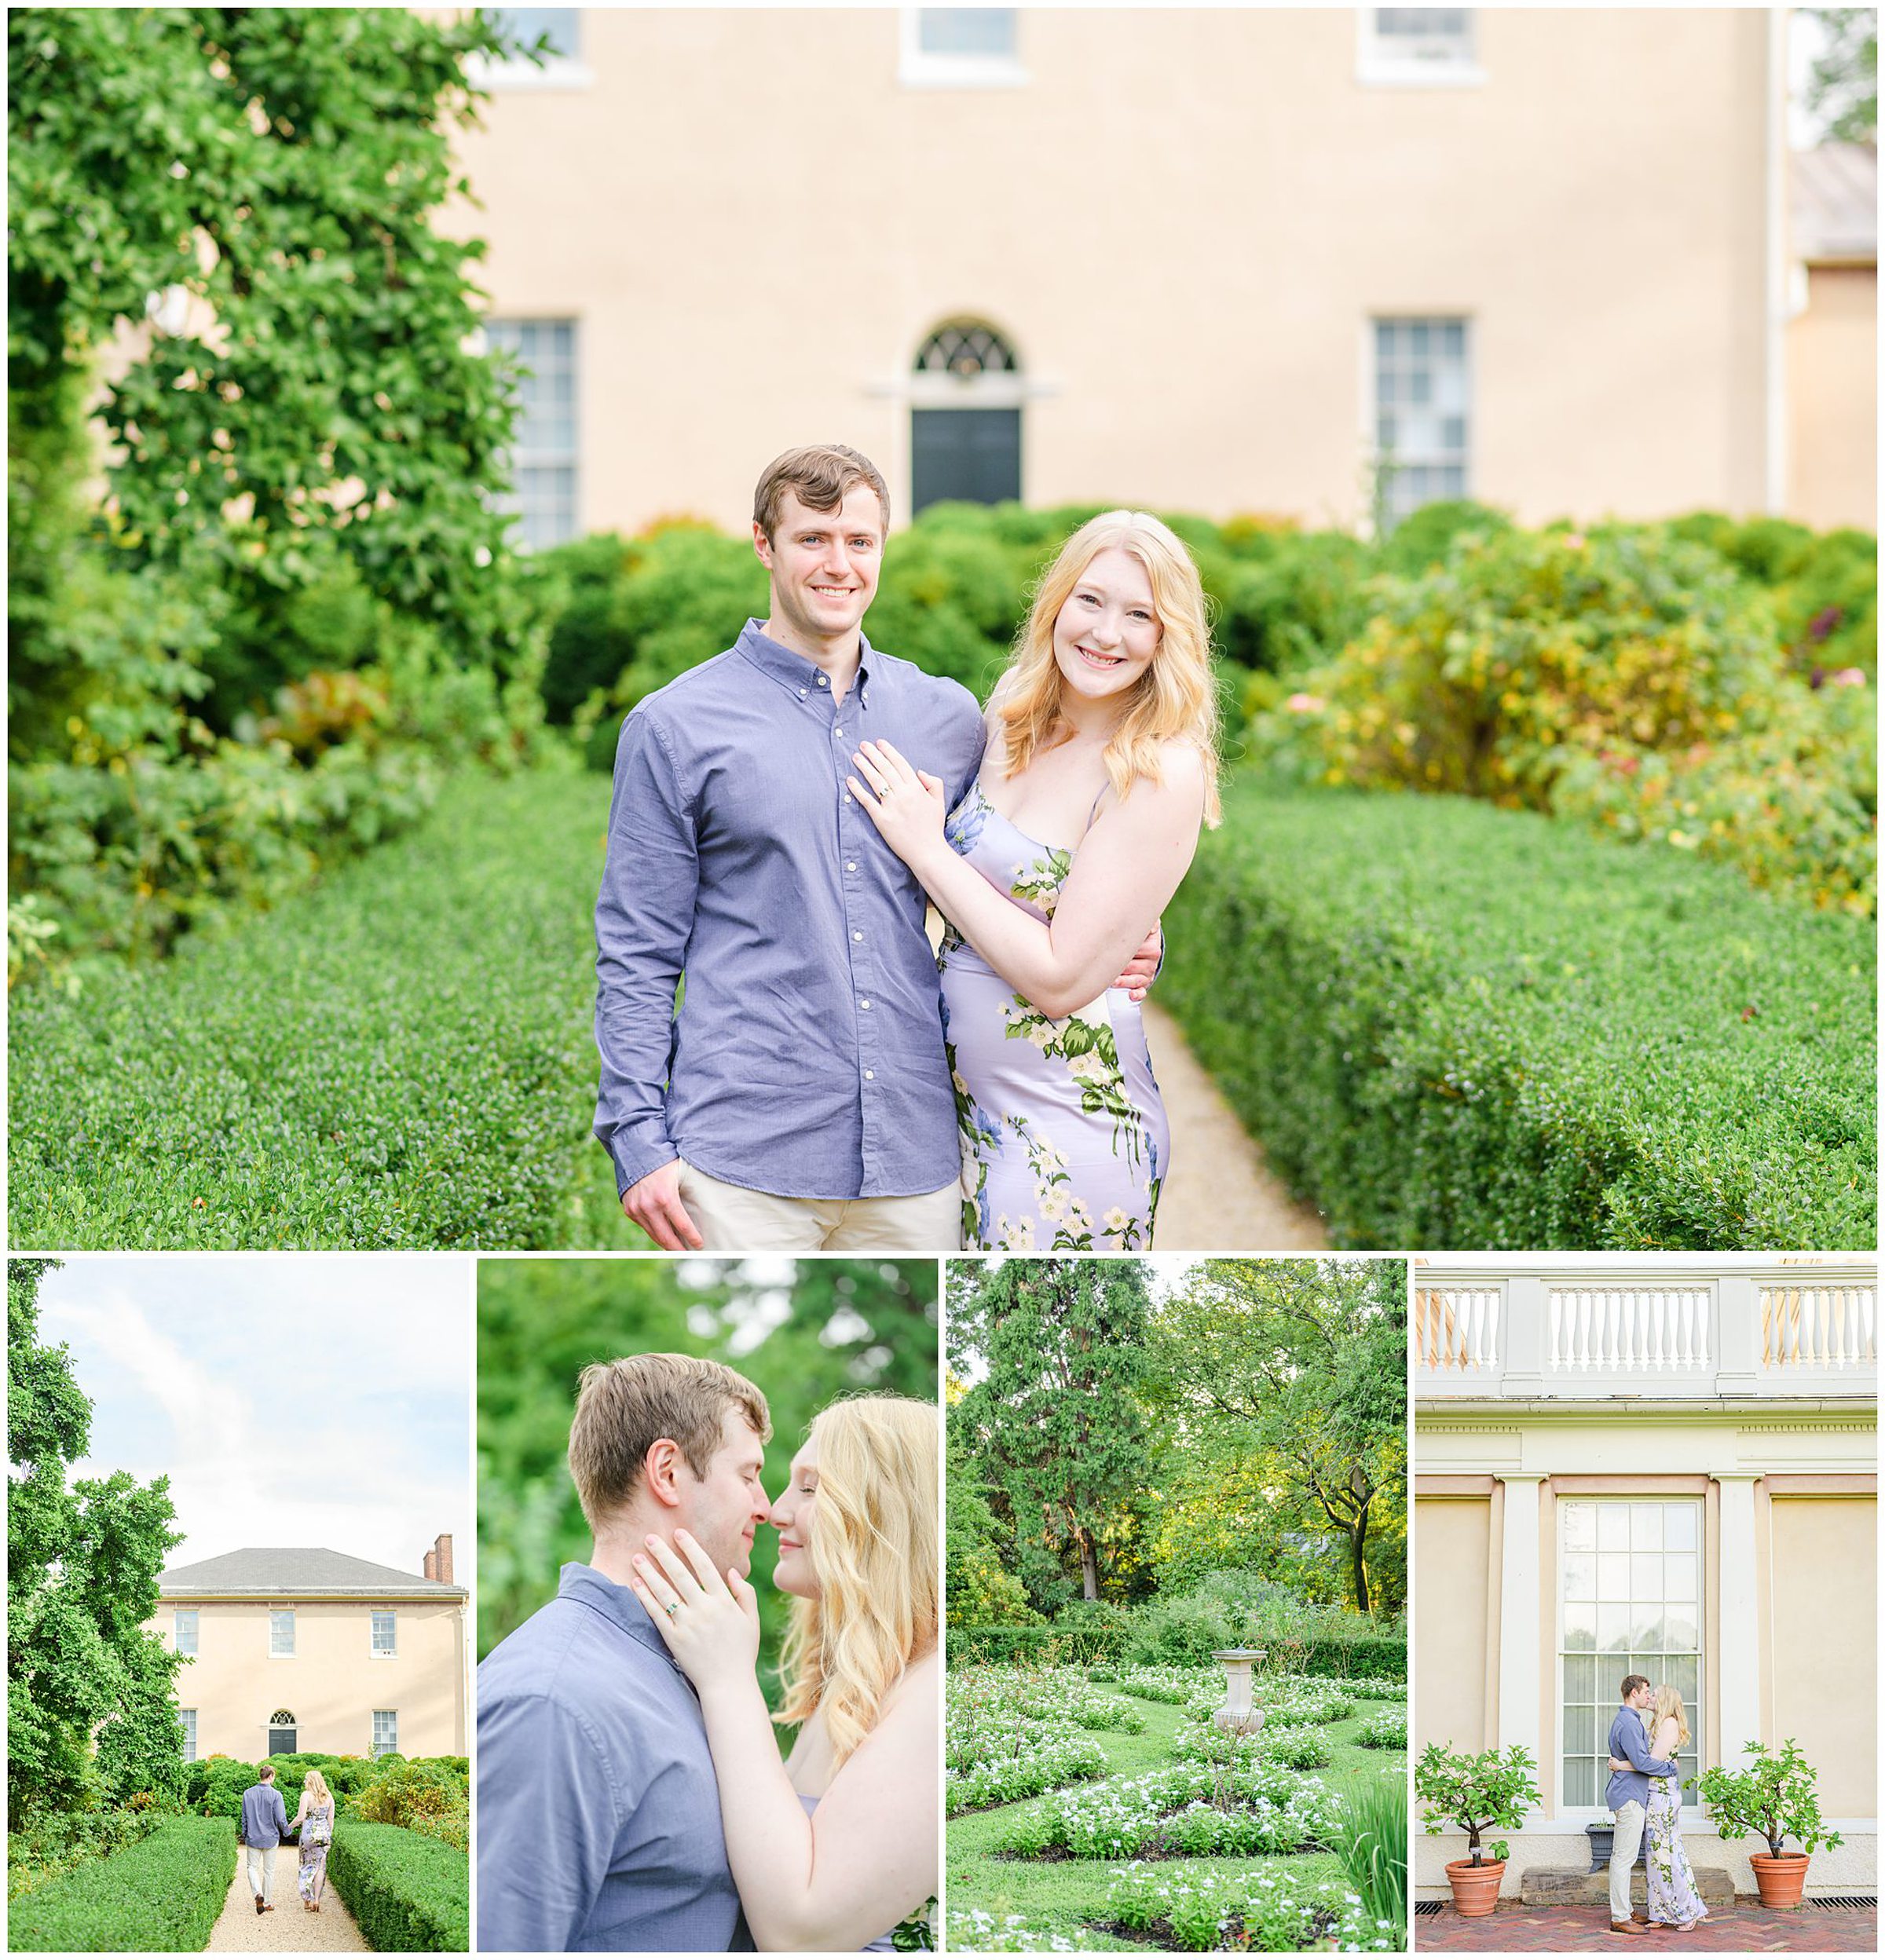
[1143, 965]
[654, 1203]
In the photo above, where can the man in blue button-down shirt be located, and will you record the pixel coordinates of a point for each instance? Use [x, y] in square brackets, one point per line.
[599, 1817]
[800, 1098]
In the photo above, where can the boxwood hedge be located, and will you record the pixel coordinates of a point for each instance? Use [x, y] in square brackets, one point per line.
[1452, 1025]
[410, 1894]
[161, 1896]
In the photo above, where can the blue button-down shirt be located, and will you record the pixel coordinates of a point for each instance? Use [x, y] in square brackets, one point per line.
[598, 1819]
[1630, 1744]
[264, 1816]
[807, 1058]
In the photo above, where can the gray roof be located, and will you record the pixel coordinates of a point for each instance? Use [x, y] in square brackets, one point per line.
[297, 1571]
[1835, 204]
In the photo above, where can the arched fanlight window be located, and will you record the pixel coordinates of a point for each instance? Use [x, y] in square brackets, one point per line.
[966, 398]
[282, 1718]
[966, 350]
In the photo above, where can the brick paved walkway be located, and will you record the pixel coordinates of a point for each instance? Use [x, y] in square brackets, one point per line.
[1517, 1929]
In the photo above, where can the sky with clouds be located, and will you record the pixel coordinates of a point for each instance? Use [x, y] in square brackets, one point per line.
[318, 1399]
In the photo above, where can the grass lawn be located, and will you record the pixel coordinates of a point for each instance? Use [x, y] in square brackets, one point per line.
[401, 1057]
[1067, 1896]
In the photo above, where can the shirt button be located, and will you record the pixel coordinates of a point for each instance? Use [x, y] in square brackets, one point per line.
[848, 864]
[870, 1075]
[848, 795]
[839, 733]
[801, 694]
[864, 1003]
[857, 936]
[822, 682]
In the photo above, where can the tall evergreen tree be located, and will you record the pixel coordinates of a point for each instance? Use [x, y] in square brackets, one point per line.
[90, 1701]
[1055, 1351]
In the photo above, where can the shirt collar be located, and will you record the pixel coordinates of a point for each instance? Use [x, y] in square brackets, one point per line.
[616, 1603]
[793, 670]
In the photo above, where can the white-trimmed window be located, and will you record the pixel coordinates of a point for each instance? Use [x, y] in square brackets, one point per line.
[188, 1717]
[1422, 412]
[542, 461]
[1630, 1594]
[562, 66]
[386, 1635]
[281, 1633]
[386, 1731]
[961, 48]
[183, 1629]
[1419, 47]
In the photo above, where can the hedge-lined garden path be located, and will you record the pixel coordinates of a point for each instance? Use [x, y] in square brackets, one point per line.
[1220, 1197]
[289, 1929]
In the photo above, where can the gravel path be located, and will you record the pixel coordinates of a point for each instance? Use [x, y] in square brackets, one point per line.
[288, 1929]
[1220, 1197]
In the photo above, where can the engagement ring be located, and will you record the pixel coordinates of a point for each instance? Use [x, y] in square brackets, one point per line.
[672, 1609]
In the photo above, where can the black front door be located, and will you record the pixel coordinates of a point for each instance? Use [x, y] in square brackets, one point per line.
[972, 454]
[281, 1741]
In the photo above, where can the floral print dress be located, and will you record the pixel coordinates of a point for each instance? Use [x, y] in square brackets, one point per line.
[1673, 1900]
[1064, 1137]
[317, 1834]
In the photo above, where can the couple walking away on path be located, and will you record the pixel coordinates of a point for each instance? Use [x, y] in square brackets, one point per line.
[631, 1798]
[265, 1824]
[779, 813]
[1645, 1794]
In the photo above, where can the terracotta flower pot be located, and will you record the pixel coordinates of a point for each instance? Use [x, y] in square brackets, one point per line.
[1475, 1887]
[1781, 1880]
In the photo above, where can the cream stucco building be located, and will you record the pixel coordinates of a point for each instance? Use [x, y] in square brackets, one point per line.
[298, 1648]
[1213, 259]
[1667, 1468]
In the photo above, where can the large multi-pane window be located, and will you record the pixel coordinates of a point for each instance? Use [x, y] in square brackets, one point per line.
[188, 1717]
[386, 1731]
[1629, 1603]
[961, 47]
[1417, 44]
[184, 1630]
[542, 459]
[1422, 399]
[386, 1633]
[281, 1633]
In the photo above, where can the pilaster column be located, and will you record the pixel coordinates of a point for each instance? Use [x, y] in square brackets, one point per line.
[1739, 1633]
[1519, 1631]
[1737, 1354]
[1524, 1336]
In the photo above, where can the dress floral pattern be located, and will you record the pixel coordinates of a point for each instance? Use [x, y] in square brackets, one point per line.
[1064, 1136]
[1673, 1900]
[316, 1830]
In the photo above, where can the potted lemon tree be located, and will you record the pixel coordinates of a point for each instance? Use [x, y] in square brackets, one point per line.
[1475, 1793]
[1776, 1797]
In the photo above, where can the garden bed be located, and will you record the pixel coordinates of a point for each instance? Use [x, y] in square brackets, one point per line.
[1449, 1024]
[410, 1893]
[161, 1894]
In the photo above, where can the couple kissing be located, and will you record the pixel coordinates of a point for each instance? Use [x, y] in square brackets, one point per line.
[1645, 1794]
[782, 814]
[631, 1798]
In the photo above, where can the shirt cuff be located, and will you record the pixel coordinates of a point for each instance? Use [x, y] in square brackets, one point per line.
[638, 1151]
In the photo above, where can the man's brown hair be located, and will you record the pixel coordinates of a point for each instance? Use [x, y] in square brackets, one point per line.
[1632, 1683]
[822, 475]
[624, 1408]
[268, 1771]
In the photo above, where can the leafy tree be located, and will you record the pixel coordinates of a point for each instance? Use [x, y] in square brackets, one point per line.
[1055, 1351]
[91, 1708]
[1842, 90]
[979, 1589]
[804, 1334]
[330, 437]
[1300, 1365]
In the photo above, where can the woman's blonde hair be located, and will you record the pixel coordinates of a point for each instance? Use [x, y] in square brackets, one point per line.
[1175, 699]
[874, 1553]
[314, 1781]
[1667, 1702]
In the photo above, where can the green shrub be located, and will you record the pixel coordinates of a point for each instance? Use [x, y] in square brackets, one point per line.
[429, 1797]
[410, 1894]
[56, 1842]
[161, 1894]
[1051, 1645]
[402, 1057]
[1454, 1026]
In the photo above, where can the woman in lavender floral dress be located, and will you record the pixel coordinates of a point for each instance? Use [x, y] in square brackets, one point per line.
[1673, 1897]
[1100, 769]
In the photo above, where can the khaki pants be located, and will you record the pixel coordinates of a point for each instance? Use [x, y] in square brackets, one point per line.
[261, 1860]
[1627, 1842]
[733, 1219]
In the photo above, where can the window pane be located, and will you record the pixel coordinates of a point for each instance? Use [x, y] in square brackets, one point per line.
[1580, 1627]
[1678, 1575]
[1684, 1628]
[1613, 1629]
[1682, 1679]
[1645, 1528]
[1646, 1631]
[1613, 1527]
[986, 31]
[563, 25]
[281, 1632]
[1580, 1779]
[1580, 1678]
[1580, 1576]
[1453, 339]
[1580, 1528]
[1679, 1527]
[1645, 1575]
[1580, 1729]
[1612, 1576]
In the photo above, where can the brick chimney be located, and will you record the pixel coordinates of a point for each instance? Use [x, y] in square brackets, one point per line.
[438, 1561]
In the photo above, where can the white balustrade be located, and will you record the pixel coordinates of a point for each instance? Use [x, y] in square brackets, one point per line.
[1456, 1328]
[1622, 1330]
[1817, 1326]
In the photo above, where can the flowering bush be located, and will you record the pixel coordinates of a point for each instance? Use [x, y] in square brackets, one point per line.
[971, 1932]
[1285, 1700]
[1387, 1728]
[1295, 1748]
[1191, 1810]
[1271, 1913]
[1174, 1685]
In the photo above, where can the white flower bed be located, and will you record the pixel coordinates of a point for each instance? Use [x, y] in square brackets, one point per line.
[990, 1765]
[1191, 1810]
[1285, 1700]
[1210, 1912]
[1365, 1690]
[1298, 1748]
[1056, 1694]
[1173, 1685]
[1386, 1729]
